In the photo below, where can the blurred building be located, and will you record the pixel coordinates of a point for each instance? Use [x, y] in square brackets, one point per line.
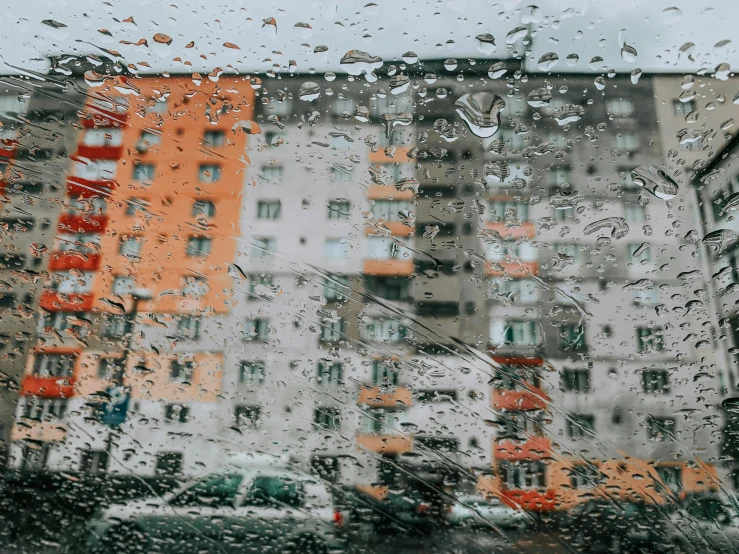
[369, 287]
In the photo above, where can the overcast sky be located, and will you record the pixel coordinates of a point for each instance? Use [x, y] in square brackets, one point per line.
[385, 28]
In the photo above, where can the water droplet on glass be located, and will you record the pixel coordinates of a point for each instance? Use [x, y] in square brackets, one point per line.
[516, 34]
[371, 9]
[600, 83]
[410, 57]
[309, 91]
[654, 180]
[481, 112]
[539, 97]
[430, 78]
[303, 30]
[670, 15]
[728, 124]
[617, 226]
[547, 61]
[595, 62]
[717, 241]
[496, 172]
[450, 65]
[446, 130]
[485, 43]
[730, 204]
[722, 71]
[498, 69]
[399, 83]
[572, 59]
[390, 120]
[628, 53]
[569, 113]
[357, 62]
[531, 14]
[635, 75]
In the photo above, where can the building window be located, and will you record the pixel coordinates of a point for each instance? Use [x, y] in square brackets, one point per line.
[117, 326]
[341, 174]
[339, 209]
[384, 374]
[269, 209]
[85, 243]
[131, 247]
[252, 372]
[683, 108]
[515, 332]
[54, 365]
[576, 380]
[112, 369]
[522, 474]
[147, 140]
[564, 214]
[94, 461]
[655, 381]
[177, 413]
[337, 248]
[389, 210]
[634, 213]
[580, 426]
[560, 176]
[122, 285]
[273, 174]
[67, 282]
[626, 141]
[137, 207]
[198, 246]
[62, 321]
[572, 337]
[386, 248]
[264, 247]
[34, 458]
[209, 173]
[638, 253]
[332, 330]
[329, 373]
[660, 428]
[203, 208]
[384, 330]
[585, 476]
[389, 288]
[261, 285]
[168, 464]
[99, 170]
[143, 172]
[327, 418]
[514, 291]
[247, 417]
[274, 138]
[181, 371]
[103, 137]
[650, 339]
[256, 329]
[214, 139]
[671, 475]
[195, 287]
[188, 327]
[44, 409]
[508, 210]
[647, 297]
[566, 251]
[619, 106]
[336, 288]
[382, 421]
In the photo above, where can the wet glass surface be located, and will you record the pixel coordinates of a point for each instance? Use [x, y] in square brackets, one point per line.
[368, 277]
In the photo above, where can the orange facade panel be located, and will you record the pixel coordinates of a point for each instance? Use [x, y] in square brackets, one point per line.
[372, 396]
[389, 192]
[47, 387]
[31, 430]
[60, 261]
[383, 155]
[203, 385]
[78, 223]
[534, 399]
[513, 269]
[530, 500]
[388, 267]
[533, 448]
[526, 229]
[384, 444]
[73, 302]
[396, 228]
[77, 186]
[99, 152]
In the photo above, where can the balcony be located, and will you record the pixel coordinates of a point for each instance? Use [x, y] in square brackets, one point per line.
[78, 223]
[73, 302]
[397, 398]
[47, 387]
[389, 192]
[77, 186]
[532, 448]
[396, 228]
[520, 400]
[388, 267]
[530, 500]
[41, 431]
[61, 261]
[399, 155]
[384, 444]
[514, 269]
[526, 229]
[100, 152]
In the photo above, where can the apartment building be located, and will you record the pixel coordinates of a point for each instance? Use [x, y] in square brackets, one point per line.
[371, 288]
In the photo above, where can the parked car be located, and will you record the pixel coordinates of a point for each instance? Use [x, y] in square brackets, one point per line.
[618, 526]
[704, 524]
[241, 510]
[477, 511]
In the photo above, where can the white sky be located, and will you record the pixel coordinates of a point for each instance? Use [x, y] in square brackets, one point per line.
[585, 27]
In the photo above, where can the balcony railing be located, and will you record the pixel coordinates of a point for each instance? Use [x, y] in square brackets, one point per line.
[384, 444]
[397, 397]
